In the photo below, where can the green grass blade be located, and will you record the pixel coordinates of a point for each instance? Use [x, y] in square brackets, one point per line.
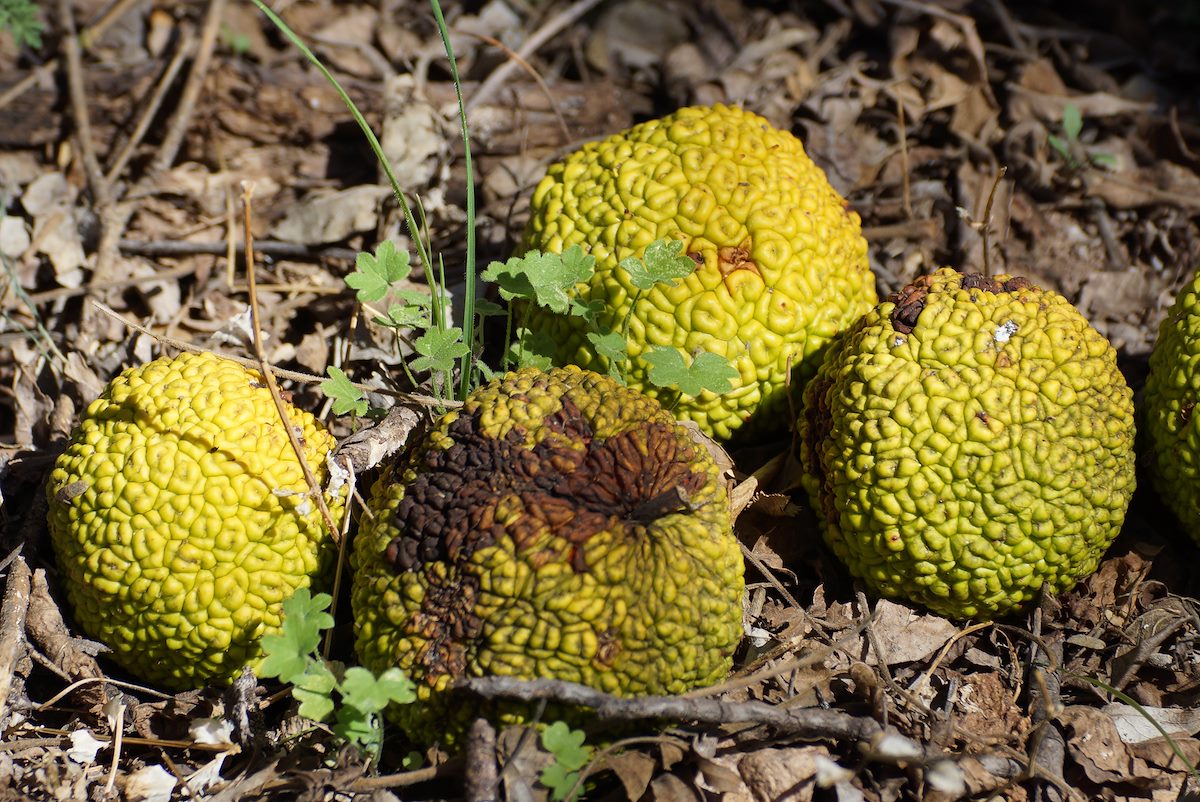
[419, 243]
[466, 370]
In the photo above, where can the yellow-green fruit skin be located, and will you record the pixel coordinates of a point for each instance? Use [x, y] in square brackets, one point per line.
[976, 458]
[1170, 421]
[782, 264]
[181, 518]
[535, 532]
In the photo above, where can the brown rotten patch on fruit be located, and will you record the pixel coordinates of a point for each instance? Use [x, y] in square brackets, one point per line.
[569, 486]
[910, 299]
[557, 525]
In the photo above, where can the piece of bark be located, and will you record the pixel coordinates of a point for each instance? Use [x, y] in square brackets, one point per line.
[12, 628]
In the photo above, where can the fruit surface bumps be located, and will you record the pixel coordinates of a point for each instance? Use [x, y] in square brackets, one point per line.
[181, 518]
[782, 264]
[1171, 423]
[967, 443]
[558, 525]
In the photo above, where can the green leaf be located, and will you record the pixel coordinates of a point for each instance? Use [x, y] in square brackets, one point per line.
[486, 308]
[1072, 122]
[438, 349]
[359, 727]
[405, 316]
[611, 346]
[303, 619]
[532, 349]
[1104, 160]
[663, 262]
[566, 745]
[345, 396]
[544, 278]
[20, 17]
[313, 690]
[708, 371]
[1060, 146]
[509, 278]
[362, 689]
[559, 781]
[588, 310]
[281, 660]
[375, 274]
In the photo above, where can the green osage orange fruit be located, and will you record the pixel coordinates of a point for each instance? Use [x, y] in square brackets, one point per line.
[968, 443]
[781, 262]
[181, 519]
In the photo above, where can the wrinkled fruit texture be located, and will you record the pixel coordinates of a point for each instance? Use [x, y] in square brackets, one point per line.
[967, 442]
[181, 518]
[558, 525]
[782, 261]
[1172, 427]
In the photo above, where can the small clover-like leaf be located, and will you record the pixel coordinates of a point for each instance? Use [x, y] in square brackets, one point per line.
[375, 273]
[362, 689]
[303, 619]
[545, 278]
[282, 659]
[663, 262]
[588, 310]
[559, 781]
[358, 727]
[486, 308]
[509, 278]
[532, 349]
[566, 745]
[313, 691]
[438, 349]
[345, 396]
[611, 346]
[708, 371]
[403, 316]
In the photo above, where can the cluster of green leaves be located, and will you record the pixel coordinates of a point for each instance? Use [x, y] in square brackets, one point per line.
[570, 756]
[540, 279]
[322, 686]
[19, 17]
[1068, 146]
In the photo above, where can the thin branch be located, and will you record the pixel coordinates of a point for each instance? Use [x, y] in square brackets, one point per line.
[809, 722]
[314, 487]
[73, 54]
[532, 73]
[191, 90]
[531, 45]
[187, 44]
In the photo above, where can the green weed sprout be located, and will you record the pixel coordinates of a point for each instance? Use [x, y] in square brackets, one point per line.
[19, 17]
[570, 756]
[1068, 145]
[319, 685]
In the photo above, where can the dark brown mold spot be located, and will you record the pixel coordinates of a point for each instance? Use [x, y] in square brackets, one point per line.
[1185, 412]
[910, 300]
[731, 259]
[568, 487]
[481, 488]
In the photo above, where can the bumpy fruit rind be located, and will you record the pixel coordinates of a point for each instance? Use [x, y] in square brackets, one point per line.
[558, 525]
[1170, 422]
[181, 518]
[967, 443]
[782, 261]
